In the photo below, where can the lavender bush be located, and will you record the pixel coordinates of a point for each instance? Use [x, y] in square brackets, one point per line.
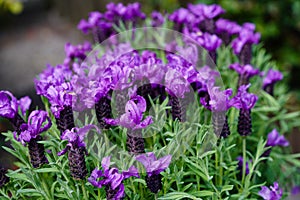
[144, 113]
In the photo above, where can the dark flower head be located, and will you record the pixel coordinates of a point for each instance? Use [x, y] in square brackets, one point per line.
[133, 117]
[75, 137]
[272, 77]
[274, 139]
[153, 165]
[272, 193]
[246, 36]
[243, 99]
[111, 177]
[8, 105]
[206, 11]
[157, 19]
[224, 25]
[38, 122]
[247, 71]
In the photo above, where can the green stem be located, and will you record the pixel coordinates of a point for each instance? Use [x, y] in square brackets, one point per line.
[83, 190]
[99, 194]
[244, 161]
[216, 164]
[155, 196]
[221, 169]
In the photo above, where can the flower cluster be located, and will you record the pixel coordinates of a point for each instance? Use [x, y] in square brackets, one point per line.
[120, 78]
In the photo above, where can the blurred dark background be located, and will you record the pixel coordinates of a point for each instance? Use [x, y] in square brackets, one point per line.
[34, 32]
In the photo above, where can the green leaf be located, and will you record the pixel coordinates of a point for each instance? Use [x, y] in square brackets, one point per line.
[178, 195]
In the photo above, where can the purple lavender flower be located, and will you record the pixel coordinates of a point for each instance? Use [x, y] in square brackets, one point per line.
[219, 103]
[8, 105]
[93, 21]
[245, 72]
[157, 19]
[208, 41]
[207, 13]
[274, 193]
[24, 104]
[274, 139]
[133, 117]
[9, 108]
[243, 99]
[59, 97]
[111, 179]
[52, 76]
[295, 190]
[245, 102]
[242, 45]
[219, 100]
[153, 168]
[184, 18]
[240, 166]
[98, 25]
[269, 81]
[131, 12]
[76, 150]
[35, 126]
[79, 52]
[176, 84]
[225, 29]
[38, 122]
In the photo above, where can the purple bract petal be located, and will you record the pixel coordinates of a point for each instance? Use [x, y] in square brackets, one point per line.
[274, 193]
[274, 139]
[152, 165]
[272, 77]
[24, 104]
[243, 99]
[8, 105]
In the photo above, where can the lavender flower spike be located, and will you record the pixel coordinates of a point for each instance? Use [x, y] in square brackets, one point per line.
[133, 120]
[38, 122]
[245, 102]
[269, 81]
[219, 104]
[242, 45]
[274, 193]
[111, 179]
[77, 150]
[154, 167]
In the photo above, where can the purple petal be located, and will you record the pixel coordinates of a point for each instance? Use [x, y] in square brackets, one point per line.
[24, 104]
[132, 171]
[105, 163]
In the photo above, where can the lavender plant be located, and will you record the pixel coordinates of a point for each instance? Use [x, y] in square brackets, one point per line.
[143, 113]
